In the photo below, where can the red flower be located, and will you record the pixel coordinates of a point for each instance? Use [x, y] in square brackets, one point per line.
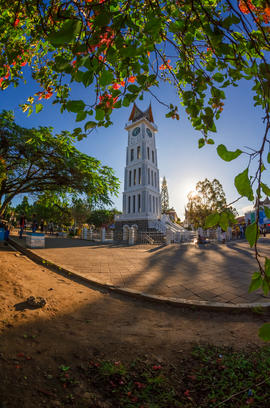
[186, 393]
[246, 6]
[116, 86]
[157, 367]
[123, 83]
[132, 79]
[23, 63]
[16, 22]
[139, 384]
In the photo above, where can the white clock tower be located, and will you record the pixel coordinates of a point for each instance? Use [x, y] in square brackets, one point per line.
[141, 196]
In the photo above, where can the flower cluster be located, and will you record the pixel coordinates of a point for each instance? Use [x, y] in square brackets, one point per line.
[107, 100]
[263, 14]
[45, 94]
[166, 65]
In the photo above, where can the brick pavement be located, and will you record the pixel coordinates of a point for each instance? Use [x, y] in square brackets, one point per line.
[215, 273]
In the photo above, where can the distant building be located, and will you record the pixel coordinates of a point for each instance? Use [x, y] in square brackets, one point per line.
[250, 216]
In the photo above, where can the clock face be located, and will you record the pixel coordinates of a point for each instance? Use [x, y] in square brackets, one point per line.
[136, 131]
[148, 131]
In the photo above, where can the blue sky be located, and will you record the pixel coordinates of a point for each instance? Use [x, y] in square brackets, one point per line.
[179, 158]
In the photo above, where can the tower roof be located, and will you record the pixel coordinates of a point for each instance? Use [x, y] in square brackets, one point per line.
[137, 114]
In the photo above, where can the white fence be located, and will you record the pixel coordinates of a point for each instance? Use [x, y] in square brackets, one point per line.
[97, 235]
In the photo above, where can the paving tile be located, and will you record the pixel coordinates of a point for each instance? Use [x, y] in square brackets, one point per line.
[220, 273]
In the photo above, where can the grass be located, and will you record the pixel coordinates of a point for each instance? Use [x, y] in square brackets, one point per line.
[209, 377]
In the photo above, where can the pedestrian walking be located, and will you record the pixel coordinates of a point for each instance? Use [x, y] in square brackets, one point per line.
[22, 225]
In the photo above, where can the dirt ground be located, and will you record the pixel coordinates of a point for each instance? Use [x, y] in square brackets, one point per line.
[79, 323]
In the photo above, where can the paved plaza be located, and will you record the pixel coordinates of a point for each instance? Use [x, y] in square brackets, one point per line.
[214, 272]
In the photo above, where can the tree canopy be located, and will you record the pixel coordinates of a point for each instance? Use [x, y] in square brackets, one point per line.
[102, 217]
[209, 199]
[125, 48]
[122, 49]
[164, 196]
[36, 161]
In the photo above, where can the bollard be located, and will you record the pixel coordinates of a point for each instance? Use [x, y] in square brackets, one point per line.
[131, 236]
[84, 233]
[91, 234]
[168, 236]
[103, 231]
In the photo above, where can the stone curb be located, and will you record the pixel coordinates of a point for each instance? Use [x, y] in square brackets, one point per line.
[176, 302]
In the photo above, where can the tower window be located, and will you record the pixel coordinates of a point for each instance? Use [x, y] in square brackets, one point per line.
[128, 204]
[134, 203]
[148, 173]
[138, 152]
[134, 177]
[139, 202]
[155, 176]
[150, 203]
[152, 180]
[148, 153]
[140, 176]
[131, 154]
[154, 205]
[153, 156]
[129, 178]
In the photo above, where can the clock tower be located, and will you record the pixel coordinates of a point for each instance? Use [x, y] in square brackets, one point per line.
[141, 196]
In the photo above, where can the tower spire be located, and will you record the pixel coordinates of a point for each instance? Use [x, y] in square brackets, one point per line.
[137, 113]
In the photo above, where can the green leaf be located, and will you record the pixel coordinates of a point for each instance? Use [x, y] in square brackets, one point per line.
[81, 116]
[90, 125]
[265, 189]
[226, 154]
[243, 186]
[75, 106]
[100, 114]
[61, 64]
[252, 233]
[212, 220]
[30, 111]
[68, 32]
[102, 18]
[267, 211]
[133, 89]
[265, 287]
[106, 78]
[268, 157]
[224, 221]
[210, 141]
[39, 107]
[201, 142]
[264, 332]
[256, 282]
[87, 78]
[218, 77]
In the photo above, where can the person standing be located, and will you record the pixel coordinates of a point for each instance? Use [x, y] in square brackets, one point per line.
[22, 225]
[41, 225]
[34, 223]
[51, 226]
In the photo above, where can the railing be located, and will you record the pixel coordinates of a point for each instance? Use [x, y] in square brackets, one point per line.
[97, 235]
[150, 237]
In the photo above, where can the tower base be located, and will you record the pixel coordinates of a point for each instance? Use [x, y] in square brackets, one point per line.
[140, 225]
